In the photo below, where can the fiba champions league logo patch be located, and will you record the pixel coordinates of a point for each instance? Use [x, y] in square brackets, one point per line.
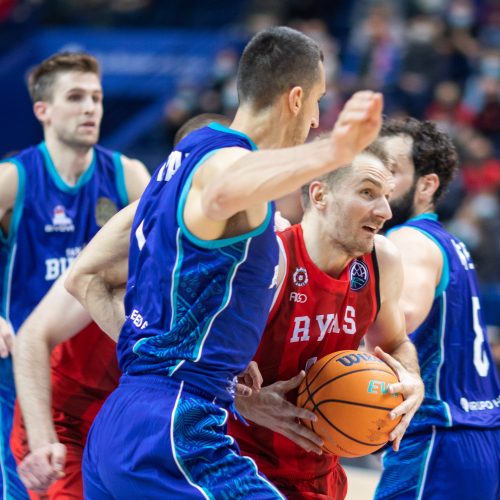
[104, 210]
[358, 275]
[300, 277]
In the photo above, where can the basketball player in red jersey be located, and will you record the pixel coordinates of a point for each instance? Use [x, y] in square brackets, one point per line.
[341, 282]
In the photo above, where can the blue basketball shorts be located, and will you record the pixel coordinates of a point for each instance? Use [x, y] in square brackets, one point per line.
[156, 438]
[11, 486]
[443, 464]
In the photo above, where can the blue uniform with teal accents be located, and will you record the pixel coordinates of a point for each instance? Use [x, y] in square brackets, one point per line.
[195, 315]
[50, 223]
[452, 446]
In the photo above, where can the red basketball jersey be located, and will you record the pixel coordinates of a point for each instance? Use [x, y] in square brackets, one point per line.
[314, 315]
[84, 372]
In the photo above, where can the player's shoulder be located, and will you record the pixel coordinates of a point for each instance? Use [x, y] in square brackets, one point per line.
[386, 251]
[414, 242]
[9, 178]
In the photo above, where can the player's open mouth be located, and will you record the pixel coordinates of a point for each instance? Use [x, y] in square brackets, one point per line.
[371, 229]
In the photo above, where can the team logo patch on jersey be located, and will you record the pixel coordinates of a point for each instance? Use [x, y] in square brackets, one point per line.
[300, 277]
[104, 210]
[358, 275]
[61, 223]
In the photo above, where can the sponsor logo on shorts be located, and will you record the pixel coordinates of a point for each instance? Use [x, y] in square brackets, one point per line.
[487, 404]
[358, 275]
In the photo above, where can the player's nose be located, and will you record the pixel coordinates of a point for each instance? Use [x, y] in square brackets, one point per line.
[383, 209]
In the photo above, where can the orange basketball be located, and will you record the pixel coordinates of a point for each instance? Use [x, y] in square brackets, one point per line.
[349, 393]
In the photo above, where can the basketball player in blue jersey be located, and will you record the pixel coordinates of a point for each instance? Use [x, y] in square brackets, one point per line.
[53, 198]
[452, 446]
[202, 265]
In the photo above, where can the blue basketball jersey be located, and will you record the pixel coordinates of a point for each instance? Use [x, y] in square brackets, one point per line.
[51, 222]
[461, 383]
[195, 309]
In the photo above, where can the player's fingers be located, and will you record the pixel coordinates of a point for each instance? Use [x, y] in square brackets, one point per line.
[4, 350]
[400, 429]
[353, 116]
[287, 385]
[396, 443]
[402, 409]
[29, 479]
[58, 458]
[243, 390]
[310, 442]
[306, 433]
[392, 362]
[253, 376]
[360, 98]
[398, 388]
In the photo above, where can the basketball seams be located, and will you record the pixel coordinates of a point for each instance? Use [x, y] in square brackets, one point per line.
[340, 353]
[355, 403]
[347, 435]
[340, 376]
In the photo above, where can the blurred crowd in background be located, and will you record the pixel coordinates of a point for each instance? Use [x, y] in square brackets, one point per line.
[432, 59]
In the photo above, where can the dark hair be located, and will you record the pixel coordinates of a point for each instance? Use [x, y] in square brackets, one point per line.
[432, 150]
[274, 61]
[197, 122]
[334, 179]
[41, 79]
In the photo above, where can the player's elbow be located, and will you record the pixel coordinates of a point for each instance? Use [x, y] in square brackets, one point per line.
[76, 282]
[218, 203]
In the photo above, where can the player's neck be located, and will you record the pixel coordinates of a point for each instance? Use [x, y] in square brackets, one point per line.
[423, 208]
[69, 162]
[263, 128]
[326, 254]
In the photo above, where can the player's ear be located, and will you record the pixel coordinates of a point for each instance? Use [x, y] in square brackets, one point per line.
[317, 194]
[40, 110]
[295, 96]
[427, 186]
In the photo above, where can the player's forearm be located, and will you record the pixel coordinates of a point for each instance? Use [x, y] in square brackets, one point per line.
[32, 375]
[406, 354]
[266, 175]
[105, 305]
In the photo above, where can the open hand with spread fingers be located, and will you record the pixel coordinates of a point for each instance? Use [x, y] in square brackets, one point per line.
[6, 338]
[357, 126]
[270, 408]
[410, 385]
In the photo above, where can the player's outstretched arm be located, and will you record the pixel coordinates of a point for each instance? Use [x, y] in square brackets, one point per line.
[97, 278]
[57, 317]
[235, 180]
[8, 193]
[387, 338]
[270, 408]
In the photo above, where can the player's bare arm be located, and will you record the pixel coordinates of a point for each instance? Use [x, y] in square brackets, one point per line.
[136, 177]
[8, 193]
[98, 276]
[387, 338]
[36, 338]
[423, 265]
[234, 181]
